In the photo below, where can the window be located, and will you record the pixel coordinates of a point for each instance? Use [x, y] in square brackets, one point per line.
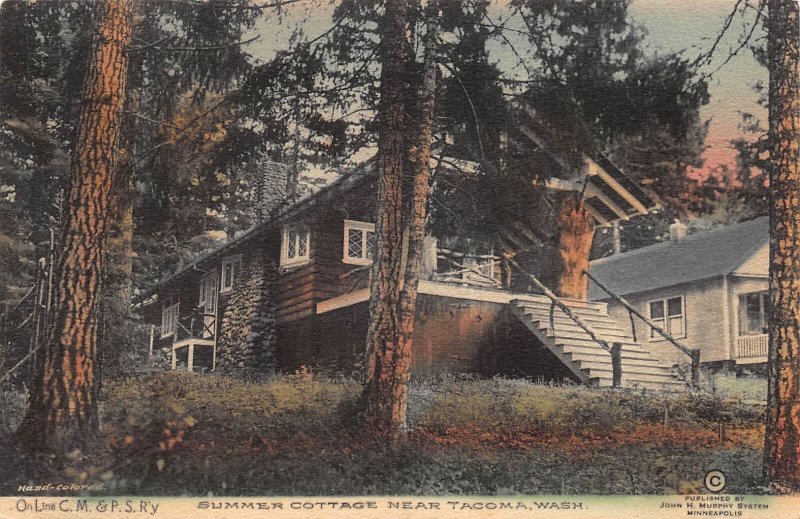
[169, 316]
[359, 242]
[231, 267]
[753, 310]
[295, 246]
[669, 315]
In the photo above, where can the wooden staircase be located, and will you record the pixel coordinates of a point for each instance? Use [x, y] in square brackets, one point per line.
[587, 359]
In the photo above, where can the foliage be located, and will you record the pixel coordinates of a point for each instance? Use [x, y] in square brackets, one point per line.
[290, 436]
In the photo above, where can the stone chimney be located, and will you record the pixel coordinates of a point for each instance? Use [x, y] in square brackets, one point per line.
[273, 187]
[677, 232]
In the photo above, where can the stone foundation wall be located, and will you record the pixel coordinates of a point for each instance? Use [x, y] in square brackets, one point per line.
[247, 338]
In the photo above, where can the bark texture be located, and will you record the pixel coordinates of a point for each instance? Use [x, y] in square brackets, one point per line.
[384, 365]
[419, 161]
[782, 444]
[118, 337]
[575, 231]
[63, 410]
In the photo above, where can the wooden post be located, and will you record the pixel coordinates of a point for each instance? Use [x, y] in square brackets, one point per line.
[621, 300]
[152, 337]
[695, 354]
[616, 364]
[564, 308]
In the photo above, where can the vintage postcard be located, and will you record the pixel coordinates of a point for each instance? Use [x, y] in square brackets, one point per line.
[399, 258]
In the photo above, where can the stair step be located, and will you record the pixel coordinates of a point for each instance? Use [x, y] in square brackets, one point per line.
[586, 358]
[592, 348]
[599, 356]
[575, 306]
[631, 375]
[596, 321]
[589, 343]
[545, 307]
[629, 368]
[576, 332]
[602, 329]
[674, 385]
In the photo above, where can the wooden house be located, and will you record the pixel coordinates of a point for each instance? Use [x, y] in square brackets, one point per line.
[293, 291]
[709, 290]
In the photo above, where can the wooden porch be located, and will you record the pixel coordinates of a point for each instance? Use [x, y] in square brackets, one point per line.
[752, 349]
[195, 345]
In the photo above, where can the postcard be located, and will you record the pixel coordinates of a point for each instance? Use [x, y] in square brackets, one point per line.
[407, 258]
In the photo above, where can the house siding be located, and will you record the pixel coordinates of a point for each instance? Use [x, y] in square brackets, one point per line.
[755, 265]
[705, 322]
[450, 336]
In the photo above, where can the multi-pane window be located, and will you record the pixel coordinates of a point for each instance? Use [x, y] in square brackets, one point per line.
[295, 244]
[231, 268]
[359, 242]
[169, 316]
[753, 313]
[669, 315]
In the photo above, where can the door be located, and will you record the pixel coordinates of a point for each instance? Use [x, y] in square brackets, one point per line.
[207, 304]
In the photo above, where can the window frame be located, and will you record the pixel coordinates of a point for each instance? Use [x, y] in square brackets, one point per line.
[654, 336]
[171, 305]
[763, 311]
[364, 227]
[298, 230]
[236, 261]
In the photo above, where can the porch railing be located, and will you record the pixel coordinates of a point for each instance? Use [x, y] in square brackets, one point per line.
[198, 325]
[614, 348]
[465, 268]
[752, 345]
[693, 354]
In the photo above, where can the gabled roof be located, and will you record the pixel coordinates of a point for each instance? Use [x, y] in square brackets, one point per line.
[610, 195]
[343, 183]
[699, 256]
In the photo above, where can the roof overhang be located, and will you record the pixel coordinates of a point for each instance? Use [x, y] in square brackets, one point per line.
[609, 194]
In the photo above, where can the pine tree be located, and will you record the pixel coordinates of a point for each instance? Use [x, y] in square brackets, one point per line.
[782, 442]
[63, 408]
[387, 365]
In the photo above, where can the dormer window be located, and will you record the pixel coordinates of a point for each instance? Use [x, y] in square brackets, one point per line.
[296, 245]
[359, 242]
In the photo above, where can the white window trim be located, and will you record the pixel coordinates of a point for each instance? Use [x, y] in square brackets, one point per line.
[227, 260]
[654, 336]
[763, 311]
[286, 261]
[361, 226]
[172, 307]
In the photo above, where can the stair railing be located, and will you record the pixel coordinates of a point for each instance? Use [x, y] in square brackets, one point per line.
[692, 353]
[615, 348]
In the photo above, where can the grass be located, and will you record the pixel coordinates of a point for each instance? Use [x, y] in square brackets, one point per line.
[183, 434]
[730, 387]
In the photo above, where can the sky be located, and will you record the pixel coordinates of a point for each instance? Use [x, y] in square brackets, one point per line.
[672, 26]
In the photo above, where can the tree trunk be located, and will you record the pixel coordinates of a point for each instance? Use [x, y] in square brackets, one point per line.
[782, 443]
[575, 232]
[63, 410]
[419, 161]
[383, 363]
[117, 341]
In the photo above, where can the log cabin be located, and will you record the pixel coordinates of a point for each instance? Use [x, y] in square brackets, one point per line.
[292, 293]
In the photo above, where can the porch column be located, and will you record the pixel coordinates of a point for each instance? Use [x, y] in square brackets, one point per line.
[190, 360]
